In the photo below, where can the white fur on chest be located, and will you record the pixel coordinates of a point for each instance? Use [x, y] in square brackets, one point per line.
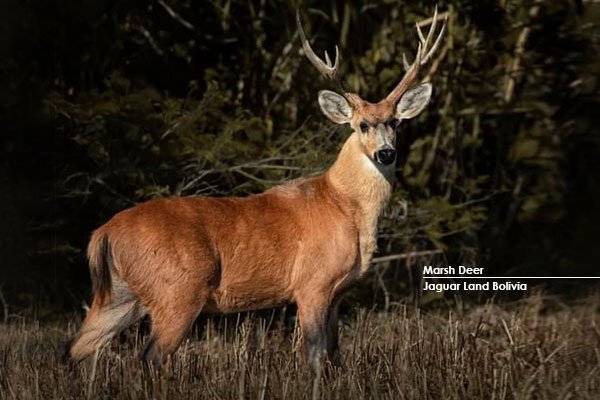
[380, 190]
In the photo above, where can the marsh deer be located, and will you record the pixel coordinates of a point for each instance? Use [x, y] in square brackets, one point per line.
[305, 241]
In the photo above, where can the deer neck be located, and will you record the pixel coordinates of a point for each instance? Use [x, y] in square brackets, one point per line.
[363, 188]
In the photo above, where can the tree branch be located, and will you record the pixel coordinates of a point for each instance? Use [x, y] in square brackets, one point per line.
[176, 16]
[402, 256]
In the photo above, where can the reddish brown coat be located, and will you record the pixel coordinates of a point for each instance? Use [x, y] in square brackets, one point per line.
[305, 241]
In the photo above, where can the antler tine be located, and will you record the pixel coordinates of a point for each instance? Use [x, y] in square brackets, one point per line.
[436, 44]
[432, 27]
[420, 33]
[423, 55]
[324, 67]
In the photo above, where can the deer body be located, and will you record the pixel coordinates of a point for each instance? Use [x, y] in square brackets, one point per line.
[305, 241]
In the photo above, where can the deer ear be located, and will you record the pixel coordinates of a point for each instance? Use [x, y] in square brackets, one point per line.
[414, 101]
[335, 107]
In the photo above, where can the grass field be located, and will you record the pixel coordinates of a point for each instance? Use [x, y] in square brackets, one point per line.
[536, 348]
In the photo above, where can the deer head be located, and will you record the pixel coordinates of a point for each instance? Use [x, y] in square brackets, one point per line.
[376, 123]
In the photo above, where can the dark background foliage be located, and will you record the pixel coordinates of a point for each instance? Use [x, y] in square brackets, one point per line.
[105, 104]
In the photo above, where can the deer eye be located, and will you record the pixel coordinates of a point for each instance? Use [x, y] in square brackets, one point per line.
[364, 127]
[393, 123]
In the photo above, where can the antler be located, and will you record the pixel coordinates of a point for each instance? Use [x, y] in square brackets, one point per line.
[324, 67]
[423, 55]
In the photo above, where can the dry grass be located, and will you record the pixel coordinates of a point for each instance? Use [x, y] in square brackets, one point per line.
[538, 348]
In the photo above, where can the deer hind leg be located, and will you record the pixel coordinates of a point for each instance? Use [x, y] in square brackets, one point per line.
[105, 320]
[171, 319]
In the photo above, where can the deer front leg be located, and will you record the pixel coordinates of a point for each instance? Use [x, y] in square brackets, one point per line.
[314, 316]
[333, 346]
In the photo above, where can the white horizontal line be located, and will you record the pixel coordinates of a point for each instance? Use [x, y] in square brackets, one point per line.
[512, 277]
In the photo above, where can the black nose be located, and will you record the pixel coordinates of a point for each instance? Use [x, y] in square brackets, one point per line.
[385, 156]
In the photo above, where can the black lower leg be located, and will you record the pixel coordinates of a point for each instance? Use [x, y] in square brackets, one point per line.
[333, 348]
[315, 340]
[150, 355]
